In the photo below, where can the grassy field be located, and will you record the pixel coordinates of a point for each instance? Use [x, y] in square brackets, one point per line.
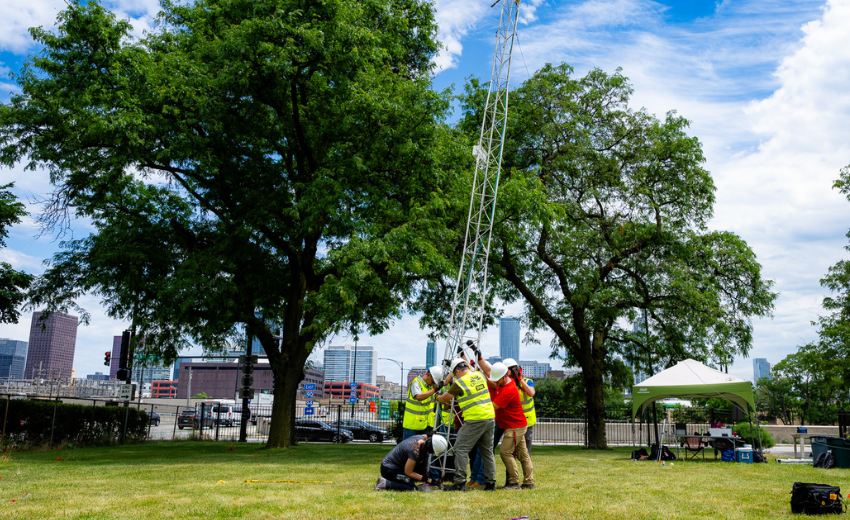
[207, 480]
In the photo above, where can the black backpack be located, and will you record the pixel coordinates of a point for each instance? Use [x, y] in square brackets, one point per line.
[666, 454]
[825, 460]
[637, 454]
[815, 499]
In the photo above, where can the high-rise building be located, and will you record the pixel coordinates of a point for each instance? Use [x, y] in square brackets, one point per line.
[509, 338]
[114, 358]
[98, 376]
[761, 368]
[431, 354]
[51, 346]
[13, 358]
[152, 373]
[347, 363]
[533, 369]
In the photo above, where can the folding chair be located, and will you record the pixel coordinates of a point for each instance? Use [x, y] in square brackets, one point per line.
[694, 446]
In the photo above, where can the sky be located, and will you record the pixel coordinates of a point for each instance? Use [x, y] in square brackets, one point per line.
[764, 84]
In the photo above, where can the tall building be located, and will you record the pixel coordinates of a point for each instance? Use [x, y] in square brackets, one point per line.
[13, 358]
[509, 338]
[113, 360]
[98, 376]
[533, 369]
[150, 374]
[51, 346]
[431, 354]
[761, 368]
[345, 363]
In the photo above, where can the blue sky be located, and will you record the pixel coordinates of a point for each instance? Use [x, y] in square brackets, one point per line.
[763, 83]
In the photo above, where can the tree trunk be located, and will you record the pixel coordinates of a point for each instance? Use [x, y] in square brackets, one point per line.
[286, 381]
[595, 388]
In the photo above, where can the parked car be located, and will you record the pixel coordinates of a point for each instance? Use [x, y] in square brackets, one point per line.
[192, 419]
[154, 418]
[310, 430]
[364, 431]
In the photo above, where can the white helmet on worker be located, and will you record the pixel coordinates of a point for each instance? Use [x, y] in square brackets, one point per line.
[455, 363]
[510, 362]
[436, 373]
[439, 444]
[498, 371]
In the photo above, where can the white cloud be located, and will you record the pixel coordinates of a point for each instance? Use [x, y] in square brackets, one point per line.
[21, 261]
[16, 16]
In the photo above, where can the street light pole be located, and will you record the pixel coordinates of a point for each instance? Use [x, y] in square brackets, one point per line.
[401, 378]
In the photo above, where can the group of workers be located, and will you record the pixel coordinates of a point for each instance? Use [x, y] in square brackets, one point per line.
[480, 405]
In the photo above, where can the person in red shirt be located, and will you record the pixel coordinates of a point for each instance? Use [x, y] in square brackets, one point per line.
[504, 393]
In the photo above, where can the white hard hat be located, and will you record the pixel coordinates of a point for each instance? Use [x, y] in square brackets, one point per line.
[439, 444]
[436, 372]
[498, 371]
[455, 363]
[510, 362]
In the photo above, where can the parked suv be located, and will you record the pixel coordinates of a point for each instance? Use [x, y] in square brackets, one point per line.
[365, 431]
[192, 419]
[228, 414]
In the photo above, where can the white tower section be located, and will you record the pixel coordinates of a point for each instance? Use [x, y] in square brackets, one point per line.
[470, 293]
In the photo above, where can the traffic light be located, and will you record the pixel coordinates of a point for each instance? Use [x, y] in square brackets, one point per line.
[106, 358]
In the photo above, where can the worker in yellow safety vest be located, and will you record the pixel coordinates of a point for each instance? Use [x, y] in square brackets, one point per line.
[526, 395]
[469, 389]
[420, 408]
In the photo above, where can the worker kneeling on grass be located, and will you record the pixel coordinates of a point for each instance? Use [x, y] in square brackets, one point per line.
[470, 390]
[407, 463]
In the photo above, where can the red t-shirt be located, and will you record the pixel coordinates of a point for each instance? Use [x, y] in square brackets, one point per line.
[509, 413]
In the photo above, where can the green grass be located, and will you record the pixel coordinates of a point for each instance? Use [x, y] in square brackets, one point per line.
[206, 480]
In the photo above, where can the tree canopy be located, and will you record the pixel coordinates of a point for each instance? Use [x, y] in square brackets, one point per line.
[281, 156]
[13, 283]
[603, 218]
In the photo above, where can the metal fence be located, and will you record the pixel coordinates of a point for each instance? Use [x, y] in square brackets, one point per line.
[369, 422]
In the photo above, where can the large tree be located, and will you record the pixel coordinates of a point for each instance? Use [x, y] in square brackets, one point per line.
[13, 283]
[604, 218]
[280, 156]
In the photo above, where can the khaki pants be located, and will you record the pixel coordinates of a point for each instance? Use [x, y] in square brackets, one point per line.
[514, 439]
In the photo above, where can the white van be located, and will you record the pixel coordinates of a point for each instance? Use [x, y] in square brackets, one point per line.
[228, 413]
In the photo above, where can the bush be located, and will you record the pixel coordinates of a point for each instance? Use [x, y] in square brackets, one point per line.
[747, 432]
[29, 424]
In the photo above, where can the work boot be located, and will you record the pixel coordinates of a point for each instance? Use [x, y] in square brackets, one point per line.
[474, 485]
[381, 484]
[511, 486]
[528, 486]
[490, 486]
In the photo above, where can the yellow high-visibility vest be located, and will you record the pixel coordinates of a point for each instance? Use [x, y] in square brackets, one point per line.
[528, 405]
[418, 415]
[475, 401]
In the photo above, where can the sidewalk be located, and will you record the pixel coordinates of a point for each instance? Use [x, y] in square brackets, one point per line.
[786, 451]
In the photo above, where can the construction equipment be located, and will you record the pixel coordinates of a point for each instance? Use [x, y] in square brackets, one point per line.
[470, 295]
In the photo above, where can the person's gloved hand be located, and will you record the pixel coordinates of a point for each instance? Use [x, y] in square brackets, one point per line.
[432, 481]
[460, 350]
[440, 384]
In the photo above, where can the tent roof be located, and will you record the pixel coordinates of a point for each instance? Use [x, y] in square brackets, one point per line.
[692, 379]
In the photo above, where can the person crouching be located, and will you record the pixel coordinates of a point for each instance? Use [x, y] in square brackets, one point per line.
[407, 463]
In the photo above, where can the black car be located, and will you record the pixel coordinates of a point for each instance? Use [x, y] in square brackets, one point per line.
[154, 418]
[192, 419]
[310, 430]
[364, 431]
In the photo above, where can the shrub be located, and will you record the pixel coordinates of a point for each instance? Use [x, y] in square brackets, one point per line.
[747, 432]
[31, 424]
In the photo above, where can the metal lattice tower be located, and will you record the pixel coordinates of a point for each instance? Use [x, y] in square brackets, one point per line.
[470, 296]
